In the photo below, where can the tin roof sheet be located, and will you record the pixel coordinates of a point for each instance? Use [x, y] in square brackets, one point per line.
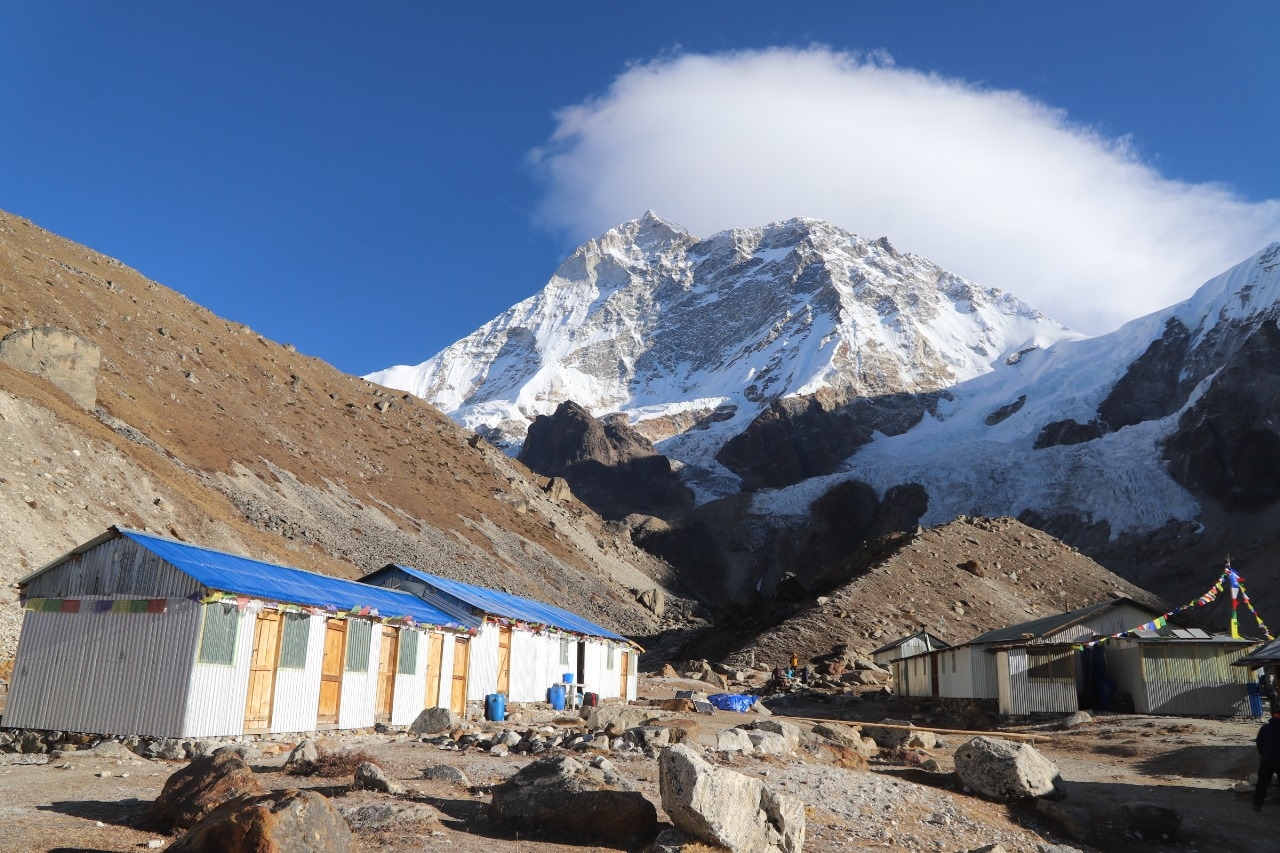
[244, 576]
[508, 606]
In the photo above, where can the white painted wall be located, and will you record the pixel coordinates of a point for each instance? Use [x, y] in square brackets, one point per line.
[360, 689]
[217, 695]
[482, 674]
[297, 696]
[411, 689]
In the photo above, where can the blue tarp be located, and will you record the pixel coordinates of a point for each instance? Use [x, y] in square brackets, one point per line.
[508, 606]
[740, 702]
[243, 576]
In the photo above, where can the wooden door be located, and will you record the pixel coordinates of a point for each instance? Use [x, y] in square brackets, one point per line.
[388, 659]
[335, 650]
[262, 672]
[626, 672]
[461, 659]
[435, 661]
[933, 671]
[504, 660]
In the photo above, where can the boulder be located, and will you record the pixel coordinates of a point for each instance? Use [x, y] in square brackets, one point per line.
[560, 793]
[287, 821]
[1075, 821]
[682, 729]
[30, 743]
[905, 736]
[669, 671]
[824, 751]
[621, 717]
[446, 773]
[679, 705]
[1079, 718]
[199, 788]
[675, 841]
[646, 736]
[305, 753]
[1003, 770]
[433, 721]
[371, 777]
[1153, 820]
[769, 743]
[734, 740]
[202, 748]
[725, 808]
[846, 736]
[115, 750]
[790, 731]
[397, 816]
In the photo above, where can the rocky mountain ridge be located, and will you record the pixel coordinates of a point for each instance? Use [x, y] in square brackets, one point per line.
[200, 428]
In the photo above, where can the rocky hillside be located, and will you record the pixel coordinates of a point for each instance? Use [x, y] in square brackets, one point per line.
[122, 402]
[959, 579]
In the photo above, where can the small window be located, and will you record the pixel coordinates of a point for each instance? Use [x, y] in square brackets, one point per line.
[359, 633]
[564, 651]
[218, 634]
[293, 642]
[1049, 667]
[609, 663]
[408, 664]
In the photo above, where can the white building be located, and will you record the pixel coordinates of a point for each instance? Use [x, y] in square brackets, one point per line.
[138, 634]
[525, 646]
[905, 647]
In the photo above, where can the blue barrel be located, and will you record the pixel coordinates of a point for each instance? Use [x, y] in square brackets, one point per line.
[568, 678]
[555, 695]
[495, 707]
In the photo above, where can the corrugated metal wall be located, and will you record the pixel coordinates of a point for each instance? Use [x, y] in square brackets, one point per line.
[482, 671]
[360, 689]
[118, 568]
[107, 673]
[411, 690]
[446, 670]
[1122, 617]
[217, 694]
[297, 696]
[912, 676]
[1179, 686]
[1019, 695]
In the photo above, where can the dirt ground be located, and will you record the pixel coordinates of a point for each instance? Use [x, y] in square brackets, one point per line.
[78, 802]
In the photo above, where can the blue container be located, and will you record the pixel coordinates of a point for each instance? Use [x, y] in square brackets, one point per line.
[568, 678]
[495, 707]
[555, 695]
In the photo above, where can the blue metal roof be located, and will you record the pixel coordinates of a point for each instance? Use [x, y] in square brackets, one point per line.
[508, 606]
[243, 576]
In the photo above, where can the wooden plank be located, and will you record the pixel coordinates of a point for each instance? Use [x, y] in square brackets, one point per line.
[461, 659]
[262, 672]
[626, 664]
[335, 649]
[504, 660]
[435, 661]
[388, 651]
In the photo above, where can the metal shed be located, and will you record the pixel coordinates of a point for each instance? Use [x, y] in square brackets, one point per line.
[905, 647]
[524, 646]
[134, 633]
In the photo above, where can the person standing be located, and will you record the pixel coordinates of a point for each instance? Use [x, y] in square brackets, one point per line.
[1268, 743]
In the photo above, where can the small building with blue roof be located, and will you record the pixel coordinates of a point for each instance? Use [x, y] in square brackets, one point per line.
[138, 634]
[524, 646]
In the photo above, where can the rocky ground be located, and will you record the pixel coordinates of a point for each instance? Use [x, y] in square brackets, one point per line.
[91, 801]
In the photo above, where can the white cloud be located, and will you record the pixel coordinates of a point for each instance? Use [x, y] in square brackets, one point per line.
[993, 185]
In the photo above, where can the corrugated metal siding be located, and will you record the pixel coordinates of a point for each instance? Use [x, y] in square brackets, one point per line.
[912, 676]
[1026, 697]
[411, 690]
[535, 665]
[1122, 617]
[216, 698]
[482, 672]
[297, 698]
[360, 690]
[106, 673]
[1187, 690]
[117, 568]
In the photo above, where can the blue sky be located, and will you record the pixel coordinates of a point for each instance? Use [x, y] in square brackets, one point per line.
[360, 180]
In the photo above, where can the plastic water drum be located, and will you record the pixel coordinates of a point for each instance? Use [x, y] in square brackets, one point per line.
[555, 695]
[495, 707]
[568, 678]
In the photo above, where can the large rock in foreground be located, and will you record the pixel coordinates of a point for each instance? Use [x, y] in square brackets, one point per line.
[560, 793]
[432, 721]
[280, 822]
[199, 788]
[1003, 770]
[725, 808]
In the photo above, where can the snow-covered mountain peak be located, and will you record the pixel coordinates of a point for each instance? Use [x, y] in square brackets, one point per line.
[692, 338]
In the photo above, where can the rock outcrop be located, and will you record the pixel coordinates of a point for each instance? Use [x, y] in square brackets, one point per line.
[201, 787]
[1003, 770]
[725, 808]
[608, 465]
[67, 360]
[288, 821]
[562, 794]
